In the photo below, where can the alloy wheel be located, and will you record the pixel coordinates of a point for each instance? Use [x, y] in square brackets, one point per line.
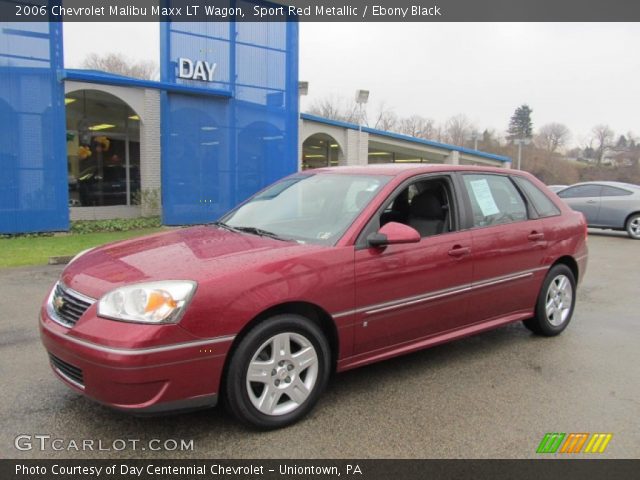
[559, 300]
[634, 227]
[282, 374]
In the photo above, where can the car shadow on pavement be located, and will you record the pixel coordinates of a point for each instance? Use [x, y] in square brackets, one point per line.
[609, 233]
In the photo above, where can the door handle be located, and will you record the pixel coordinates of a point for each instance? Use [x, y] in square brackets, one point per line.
[459, 251]
[534, 236]
[592, 201]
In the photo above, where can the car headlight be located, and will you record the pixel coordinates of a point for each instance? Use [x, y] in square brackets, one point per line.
[153, 302]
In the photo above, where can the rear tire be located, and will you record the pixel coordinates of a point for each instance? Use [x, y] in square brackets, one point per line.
[556, 300]
[278, 372]
[633, 226]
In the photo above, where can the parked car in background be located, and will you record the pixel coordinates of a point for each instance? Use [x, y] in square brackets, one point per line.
[606, 205]
[556, 188]
[325, 270]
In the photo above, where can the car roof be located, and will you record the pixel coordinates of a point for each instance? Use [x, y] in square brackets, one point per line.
[608, 183]
[407, 169]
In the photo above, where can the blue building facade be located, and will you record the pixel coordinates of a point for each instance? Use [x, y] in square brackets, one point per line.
[229, 119]
[33, 176]
[221, 146]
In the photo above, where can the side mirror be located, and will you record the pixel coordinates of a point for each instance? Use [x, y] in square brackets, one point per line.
[393, 233]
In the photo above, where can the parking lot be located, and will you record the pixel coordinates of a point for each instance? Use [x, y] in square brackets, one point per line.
[494, 395]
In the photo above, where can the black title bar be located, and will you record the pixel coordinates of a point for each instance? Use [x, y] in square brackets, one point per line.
[199, 469]
[320, 11]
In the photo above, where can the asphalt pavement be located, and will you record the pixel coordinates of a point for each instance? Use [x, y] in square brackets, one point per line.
[494, 395]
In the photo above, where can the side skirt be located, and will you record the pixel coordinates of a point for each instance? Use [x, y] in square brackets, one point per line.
[426, 342]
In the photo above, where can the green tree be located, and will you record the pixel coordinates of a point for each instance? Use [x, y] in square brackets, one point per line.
[622, 143]
[520, 125]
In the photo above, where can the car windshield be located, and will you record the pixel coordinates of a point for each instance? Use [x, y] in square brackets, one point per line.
[308, 208]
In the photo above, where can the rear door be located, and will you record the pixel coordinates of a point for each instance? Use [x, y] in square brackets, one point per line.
[508, 246]
[614, 207]
[584, 198]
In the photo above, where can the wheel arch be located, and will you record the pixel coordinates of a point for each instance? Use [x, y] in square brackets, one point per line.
[570, 262]
[626, 220]
[310, 311]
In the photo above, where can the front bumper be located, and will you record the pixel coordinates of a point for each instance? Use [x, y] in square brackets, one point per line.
[139, 377]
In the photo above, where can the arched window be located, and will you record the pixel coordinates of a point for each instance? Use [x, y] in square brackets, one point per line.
[320, 150]
[103, 150]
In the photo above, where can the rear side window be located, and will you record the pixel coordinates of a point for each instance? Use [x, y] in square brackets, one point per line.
[542, 204]
[494, 200]
[581, 191]
[608, 191]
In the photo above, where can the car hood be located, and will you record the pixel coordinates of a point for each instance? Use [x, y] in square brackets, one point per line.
[195, 253]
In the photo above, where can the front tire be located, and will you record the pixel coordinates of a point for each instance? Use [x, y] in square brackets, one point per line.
[556, 300]
[633, 226]
[277, 372]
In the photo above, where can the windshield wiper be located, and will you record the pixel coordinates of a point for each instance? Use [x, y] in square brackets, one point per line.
[253, 230]
[225, 226]
[262, 233]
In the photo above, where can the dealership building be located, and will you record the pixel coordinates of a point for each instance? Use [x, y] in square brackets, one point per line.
[222, 123]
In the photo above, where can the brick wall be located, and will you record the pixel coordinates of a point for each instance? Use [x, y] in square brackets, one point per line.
[150, 171]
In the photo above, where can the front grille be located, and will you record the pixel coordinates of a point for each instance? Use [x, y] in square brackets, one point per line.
[68, 306]
[68, 371]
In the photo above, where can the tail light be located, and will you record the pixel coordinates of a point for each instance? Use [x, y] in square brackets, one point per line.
[586, 227]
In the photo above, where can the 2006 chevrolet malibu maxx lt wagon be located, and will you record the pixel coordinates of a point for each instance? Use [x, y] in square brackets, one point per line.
[323, 271]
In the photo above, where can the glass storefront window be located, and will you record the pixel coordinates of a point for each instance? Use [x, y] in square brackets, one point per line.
[103, 150]
[320, 150]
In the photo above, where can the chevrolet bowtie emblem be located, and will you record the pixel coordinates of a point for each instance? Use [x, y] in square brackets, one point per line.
[58, 303]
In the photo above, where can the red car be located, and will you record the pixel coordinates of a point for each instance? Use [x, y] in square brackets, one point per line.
[323, 271]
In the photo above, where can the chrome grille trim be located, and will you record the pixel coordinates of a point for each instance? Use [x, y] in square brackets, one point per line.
[74, 304]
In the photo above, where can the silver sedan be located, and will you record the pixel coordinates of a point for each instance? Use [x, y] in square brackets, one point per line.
[608, 205]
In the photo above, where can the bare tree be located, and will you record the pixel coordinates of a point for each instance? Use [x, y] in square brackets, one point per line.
[385, 119]
[458, 129]
[121, 65]
[602, 136]
[552, 136]
[336, 108]
[417, 126]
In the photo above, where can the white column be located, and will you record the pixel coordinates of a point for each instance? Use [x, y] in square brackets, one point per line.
[453, 158]
[357, 148]
[300, 142]
[150, 151]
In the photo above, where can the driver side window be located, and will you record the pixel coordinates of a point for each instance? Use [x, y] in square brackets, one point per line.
[494, 200]
[424, 205]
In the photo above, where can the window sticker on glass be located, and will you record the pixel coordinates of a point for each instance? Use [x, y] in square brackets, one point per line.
[483, 195]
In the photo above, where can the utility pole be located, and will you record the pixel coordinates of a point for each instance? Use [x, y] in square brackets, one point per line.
[520, 142]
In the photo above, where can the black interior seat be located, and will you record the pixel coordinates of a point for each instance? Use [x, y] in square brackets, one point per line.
[427, 214]
[400, 210]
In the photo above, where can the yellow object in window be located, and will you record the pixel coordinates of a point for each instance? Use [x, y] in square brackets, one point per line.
[103, 142]
[83, 152]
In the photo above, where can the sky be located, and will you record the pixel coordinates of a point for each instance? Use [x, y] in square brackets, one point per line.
[577, 74]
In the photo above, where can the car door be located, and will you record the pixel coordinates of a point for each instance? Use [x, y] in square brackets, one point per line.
[411, 291]
[584, 198]
[507, 244]
[614, 207]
